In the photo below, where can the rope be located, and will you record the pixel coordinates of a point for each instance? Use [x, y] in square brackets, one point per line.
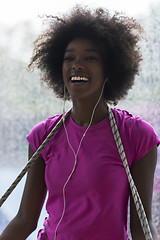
[32, 160]
[135, 194]
[136, 197]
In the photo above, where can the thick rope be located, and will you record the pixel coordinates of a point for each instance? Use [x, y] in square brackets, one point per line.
[135, 194]
[136, 197]
[32, 160]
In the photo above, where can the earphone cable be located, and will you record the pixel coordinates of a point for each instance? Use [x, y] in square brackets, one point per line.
[75, 153]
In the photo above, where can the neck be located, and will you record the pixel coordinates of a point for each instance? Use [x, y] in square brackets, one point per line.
[82, 111]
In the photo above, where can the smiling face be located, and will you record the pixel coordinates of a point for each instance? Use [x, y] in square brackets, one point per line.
[82, 70]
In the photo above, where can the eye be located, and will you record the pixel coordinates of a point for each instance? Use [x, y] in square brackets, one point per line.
[91, 58]
[68, 58]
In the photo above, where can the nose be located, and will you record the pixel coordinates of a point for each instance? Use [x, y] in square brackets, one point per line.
[78, 65]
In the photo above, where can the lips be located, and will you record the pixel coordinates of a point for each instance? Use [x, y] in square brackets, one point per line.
[79, 79]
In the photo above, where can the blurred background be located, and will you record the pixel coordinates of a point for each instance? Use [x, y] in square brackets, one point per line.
[24, 101]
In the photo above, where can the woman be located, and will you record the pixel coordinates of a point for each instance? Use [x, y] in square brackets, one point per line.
[90, 58]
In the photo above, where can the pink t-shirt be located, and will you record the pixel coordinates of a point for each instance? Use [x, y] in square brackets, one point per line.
[97, 193]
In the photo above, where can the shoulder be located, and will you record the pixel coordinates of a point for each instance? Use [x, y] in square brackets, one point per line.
[136, 124]
[45, 126]
[40, 131]
[136, 133]
[51, 122]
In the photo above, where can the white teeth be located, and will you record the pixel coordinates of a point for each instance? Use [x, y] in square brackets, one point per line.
[76, 78]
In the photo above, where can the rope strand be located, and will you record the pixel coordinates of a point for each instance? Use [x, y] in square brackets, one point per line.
[31, 161]
[135, 194]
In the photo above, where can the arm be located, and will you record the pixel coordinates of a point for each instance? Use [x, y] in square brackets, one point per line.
[143, 175]
[32, 201]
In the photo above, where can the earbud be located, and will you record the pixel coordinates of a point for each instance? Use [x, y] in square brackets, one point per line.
[105, 80]
[64, 95]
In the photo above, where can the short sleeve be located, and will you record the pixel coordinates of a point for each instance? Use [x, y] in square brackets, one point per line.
[143, 138]
[39, 133]
[36, 136]
[138, 136]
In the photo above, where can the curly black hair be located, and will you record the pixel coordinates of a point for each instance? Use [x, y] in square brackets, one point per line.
[116, 36]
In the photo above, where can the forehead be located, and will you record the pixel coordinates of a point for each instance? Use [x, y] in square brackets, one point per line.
[81, 44]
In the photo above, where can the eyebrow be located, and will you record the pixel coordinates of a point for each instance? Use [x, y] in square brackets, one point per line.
[86, 50]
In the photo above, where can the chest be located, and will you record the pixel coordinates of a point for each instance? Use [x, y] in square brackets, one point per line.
[98, 166]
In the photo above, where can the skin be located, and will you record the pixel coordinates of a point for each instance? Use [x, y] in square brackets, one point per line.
[25, 222]
[81, 59]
